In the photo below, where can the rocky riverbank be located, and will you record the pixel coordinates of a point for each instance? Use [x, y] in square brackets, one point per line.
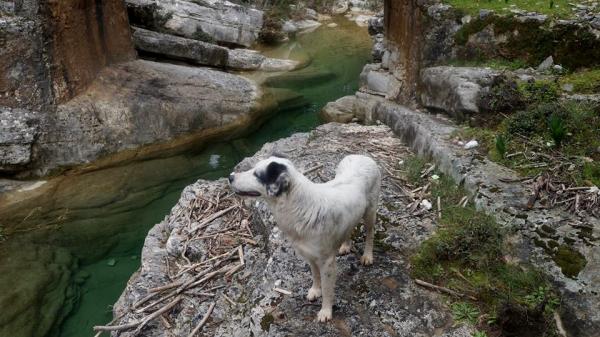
[69, 99]
[249, 285]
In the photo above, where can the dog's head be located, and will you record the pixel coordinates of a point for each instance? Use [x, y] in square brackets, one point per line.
[270, 178]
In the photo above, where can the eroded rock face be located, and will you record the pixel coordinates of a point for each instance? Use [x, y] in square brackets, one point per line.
[141, 103]
[380, 300]
[176, 47]
[218, 20]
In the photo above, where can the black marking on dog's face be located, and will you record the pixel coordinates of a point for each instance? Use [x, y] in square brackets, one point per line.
[275, 178]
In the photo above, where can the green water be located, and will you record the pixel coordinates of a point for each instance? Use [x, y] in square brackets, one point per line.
[99, 219]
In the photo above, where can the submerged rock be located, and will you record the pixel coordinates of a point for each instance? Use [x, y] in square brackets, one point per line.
[380, 300]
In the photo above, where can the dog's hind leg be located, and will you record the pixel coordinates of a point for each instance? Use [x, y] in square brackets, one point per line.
[345, 247]
[328, 276]
[315, 290]
[370, 216]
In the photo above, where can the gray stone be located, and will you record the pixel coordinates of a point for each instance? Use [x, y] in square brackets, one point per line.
[18, 131]
[376, 24]
[378, 48]
[484, 13]
[455, 90]
[546, 64]
[220, 20]
[140, 103]
[595, 22]
[245, 59]
[340, 111]
[380, 300]
[289, 27]
[176, 47]
[311, 14]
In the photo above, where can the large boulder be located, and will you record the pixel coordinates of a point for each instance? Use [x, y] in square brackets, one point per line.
[340, 111]
[140, 103]
[176, 47]
[464, 92]
[209, 20]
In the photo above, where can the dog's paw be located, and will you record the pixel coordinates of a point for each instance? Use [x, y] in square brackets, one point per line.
[324, 315]
[366, 260]
[313, 294]
[344, 249]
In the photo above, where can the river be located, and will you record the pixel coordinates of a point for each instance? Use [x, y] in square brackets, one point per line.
[76, 238]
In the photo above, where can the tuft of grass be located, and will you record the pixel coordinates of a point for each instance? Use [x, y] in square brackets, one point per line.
[584, 82]
[557, 128]
[465, 312]
[501, 146]
[414, 166]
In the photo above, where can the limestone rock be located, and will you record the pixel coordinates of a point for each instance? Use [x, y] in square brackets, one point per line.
[455, 90]
[376, 24]
[182, 48]
[142, 103]
[340, 111]
[546, 64]
[218, 20]
[18, 130]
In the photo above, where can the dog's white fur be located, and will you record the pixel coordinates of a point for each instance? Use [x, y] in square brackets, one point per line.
[318, 218]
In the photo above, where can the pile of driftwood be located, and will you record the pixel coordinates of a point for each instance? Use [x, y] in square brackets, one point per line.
[550, 191]
[197, 279]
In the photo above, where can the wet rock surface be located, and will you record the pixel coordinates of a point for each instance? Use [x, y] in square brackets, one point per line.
[380, 300]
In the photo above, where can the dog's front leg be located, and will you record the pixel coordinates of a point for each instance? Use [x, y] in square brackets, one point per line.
[315, 291]
[328, 276]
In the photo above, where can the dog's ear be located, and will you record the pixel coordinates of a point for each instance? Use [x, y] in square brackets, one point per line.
[277, 179]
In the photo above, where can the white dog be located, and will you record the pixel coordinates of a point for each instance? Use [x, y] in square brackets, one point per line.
[318, 218]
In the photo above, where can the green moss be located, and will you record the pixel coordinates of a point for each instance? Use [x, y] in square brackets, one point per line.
[466, 254]
[571, 45]
[201, 35]
[559, 8]
[570, 261]
[540, 91]
[499, 64]
[266, 321]
[586, 82]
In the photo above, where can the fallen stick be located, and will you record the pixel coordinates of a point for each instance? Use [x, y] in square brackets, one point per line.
[140, 323]
[312, 169]
[212, 218]
[443, 289]
[439, 206]
[431, 168]
[282, 291]
[203, 321]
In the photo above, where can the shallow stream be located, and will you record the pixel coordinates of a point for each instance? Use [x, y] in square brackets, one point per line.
[78, 236]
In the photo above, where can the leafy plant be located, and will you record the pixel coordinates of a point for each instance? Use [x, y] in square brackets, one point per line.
[501, 145]
[465, 312]
[480, 334]
[557, 127]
